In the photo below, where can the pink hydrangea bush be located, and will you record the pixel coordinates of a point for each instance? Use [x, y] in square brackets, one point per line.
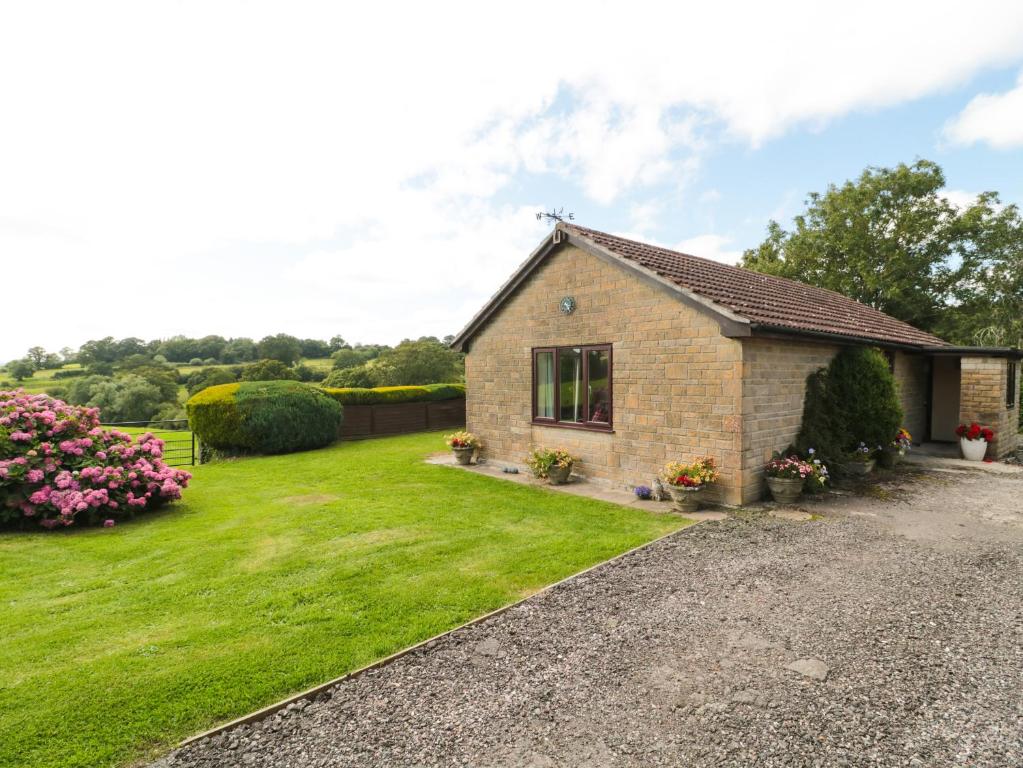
[59, 466]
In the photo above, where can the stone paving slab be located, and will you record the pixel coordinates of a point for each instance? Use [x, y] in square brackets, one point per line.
[577, 486]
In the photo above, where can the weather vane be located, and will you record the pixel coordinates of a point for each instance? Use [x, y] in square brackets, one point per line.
[558, 215]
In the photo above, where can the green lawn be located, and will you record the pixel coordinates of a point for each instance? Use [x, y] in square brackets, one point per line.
[272, 575]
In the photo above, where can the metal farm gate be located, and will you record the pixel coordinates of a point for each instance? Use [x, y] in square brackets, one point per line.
[179, 445]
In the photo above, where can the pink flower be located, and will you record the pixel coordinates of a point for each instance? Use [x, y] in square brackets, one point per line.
[108, 523]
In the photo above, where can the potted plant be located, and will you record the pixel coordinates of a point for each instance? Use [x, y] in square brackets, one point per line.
[685, 481]
[463, 445]
[787, 475]
[551, 464]
[892, 453]
[860, 461]
[973, 440]
[816, 483]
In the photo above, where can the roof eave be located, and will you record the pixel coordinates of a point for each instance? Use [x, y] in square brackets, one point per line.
[966, 351]
[767, 329]
[513, 282]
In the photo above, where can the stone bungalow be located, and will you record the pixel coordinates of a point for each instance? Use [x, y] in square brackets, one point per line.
[630, 355]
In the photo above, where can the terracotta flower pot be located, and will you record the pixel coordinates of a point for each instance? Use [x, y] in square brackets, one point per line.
[463, 455]
[785, 490]
[684, 499]
[559, 475]
[973, 450]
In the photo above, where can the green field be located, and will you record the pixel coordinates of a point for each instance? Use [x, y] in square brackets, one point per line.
[272, 575]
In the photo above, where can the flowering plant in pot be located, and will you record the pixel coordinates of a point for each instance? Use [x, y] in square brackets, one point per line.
[685, 481]
[860, 461]
[463, 445]
[787, 475]
[643, 492]
[973, 440]
[891, 454]
[551, 464]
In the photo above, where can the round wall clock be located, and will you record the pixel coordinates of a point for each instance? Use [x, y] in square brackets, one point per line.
[567, 305]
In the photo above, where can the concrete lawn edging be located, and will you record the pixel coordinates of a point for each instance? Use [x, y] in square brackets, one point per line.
[262, 714]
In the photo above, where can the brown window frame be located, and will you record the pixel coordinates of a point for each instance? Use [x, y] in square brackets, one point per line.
[1011, 383]
[592, 426]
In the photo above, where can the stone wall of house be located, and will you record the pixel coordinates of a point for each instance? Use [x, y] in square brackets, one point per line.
[983, 385]
[676, 381]
[774, 376]
[912, 381]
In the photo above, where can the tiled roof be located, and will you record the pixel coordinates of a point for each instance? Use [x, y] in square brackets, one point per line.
[765, 299]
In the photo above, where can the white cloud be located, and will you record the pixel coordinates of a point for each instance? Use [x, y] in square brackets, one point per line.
[245, 168]
[992, 118]
[961, 199]
[710, 247]
[643, 215]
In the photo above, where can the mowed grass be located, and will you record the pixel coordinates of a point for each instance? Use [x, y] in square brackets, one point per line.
[272, 575]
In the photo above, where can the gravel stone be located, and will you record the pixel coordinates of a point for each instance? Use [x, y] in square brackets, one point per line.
[679, 654]
[814, 668]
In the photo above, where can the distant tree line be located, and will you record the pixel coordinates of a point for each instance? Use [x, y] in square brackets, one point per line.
[134, 380]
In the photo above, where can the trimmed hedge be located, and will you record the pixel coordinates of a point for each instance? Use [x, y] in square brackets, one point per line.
[264, 417]
[426, 393]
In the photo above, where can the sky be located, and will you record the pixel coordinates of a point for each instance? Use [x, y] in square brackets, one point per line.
[374, 170]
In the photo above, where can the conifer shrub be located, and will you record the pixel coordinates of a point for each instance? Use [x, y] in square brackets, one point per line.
[854, 400]
[817, 435]
[264, 417]
[864, 398]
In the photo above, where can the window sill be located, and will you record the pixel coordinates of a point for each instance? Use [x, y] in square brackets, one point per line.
[608, 429]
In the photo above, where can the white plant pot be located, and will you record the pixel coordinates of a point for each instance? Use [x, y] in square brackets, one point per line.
[973, 450]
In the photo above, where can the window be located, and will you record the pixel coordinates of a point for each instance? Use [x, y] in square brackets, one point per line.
[572, 386]
[1010, 384]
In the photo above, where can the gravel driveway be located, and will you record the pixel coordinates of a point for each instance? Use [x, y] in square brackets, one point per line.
[888, 632]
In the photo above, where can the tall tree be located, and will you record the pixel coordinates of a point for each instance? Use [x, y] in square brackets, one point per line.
[281, 347]
[425, 361]
[892, 240]
[37, 355]
[989, 309]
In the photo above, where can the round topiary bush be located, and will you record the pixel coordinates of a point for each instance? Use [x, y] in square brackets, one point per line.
[58, 466]
[264, 417]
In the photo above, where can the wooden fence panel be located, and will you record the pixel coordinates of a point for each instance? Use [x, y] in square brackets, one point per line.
[401, 418]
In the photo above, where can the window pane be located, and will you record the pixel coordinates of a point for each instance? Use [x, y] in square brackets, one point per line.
[571, 384]
[545, 385]
[599, 385]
